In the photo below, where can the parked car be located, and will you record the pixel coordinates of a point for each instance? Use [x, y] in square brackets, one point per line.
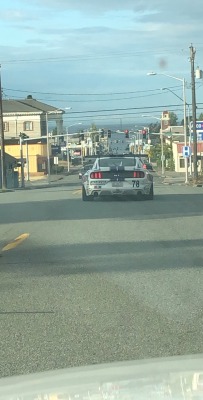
[146, 164]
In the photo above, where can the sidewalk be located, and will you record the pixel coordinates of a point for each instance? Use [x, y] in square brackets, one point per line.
[55, 180]
[172, 177]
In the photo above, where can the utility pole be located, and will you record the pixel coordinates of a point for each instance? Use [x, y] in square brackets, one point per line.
[27, 162]
[48, 151]
[3, 164]
[22, 161]
[194, 117]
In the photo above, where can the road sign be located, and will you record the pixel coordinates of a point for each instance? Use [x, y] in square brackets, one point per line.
[186, 151]
[199, 136]
[56, 160]
[199, 125]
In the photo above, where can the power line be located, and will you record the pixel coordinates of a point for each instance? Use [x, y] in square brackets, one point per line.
[127, 109]
[90, 56]
[120, 115]
[95, 100]
[89, 94]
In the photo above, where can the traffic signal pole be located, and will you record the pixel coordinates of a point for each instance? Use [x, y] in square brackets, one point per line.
[22, 162]
[194, 116]
[3, 163]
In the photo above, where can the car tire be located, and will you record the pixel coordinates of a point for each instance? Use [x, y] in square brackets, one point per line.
[84, 195]
[150, 196]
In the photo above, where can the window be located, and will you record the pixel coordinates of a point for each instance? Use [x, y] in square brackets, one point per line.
[6, 126]
[28, 126]
[117, 162]
[182, 163]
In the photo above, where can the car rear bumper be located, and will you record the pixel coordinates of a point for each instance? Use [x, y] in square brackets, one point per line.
[126, 190]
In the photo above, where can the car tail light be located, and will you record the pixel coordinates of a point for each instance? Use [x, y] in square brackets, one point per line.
[96, 175]
[138, 174]
[144, 166]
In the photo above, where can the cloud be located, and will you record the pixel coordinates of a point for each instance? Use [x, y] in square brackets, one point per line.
[161, 10]
[15, 15]
[86, 45]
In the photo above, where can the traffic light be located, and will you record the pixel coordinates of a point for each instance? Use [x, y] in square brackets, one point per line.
[82, 137]
[109, 133]
[102, 133]
[23, 136]
[127, 134]
[144, 134]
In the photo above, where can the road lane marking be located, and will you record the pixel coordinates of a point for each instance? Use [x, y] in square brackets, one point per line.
[77, 191]
[16, 242]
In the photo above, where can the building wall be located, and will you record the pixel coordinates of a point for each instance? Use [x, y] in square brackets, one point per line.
[35, 151]
[180, 165]
[29, 124]
[165, 120]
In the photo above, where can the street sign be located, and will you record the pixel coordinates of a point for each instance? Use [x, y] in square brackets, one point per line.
[199, 129]
[56, 160]
[199, 125]
[199, 136]
[186, 151]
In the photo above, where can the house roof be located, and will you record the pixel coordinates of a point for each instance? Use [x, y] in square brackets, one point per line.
[9, 159]
[28, 105]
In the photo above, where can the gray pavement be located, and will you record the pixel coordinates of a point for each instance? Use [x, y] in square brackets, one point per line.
[102, 281]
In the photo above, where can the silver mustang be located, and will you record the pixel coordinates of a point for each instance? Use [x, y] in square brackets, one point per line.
[117, 176]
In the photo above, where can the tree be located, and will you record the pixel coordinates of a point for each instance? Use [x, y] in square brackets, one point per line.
[155, 155]
[200, 117]
[190, 119]
[173, 119]
[154, 127]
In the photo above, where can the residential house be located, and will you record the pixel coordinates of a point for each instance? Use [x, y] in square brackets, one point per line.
[29, 116]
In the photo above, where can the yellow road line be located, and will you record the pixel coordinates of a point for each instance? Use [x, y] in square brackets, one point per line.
[16, 242]
[77, 191]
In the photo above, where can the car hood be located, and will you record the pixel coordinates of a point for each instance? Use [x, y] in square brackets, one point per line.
[149, 379]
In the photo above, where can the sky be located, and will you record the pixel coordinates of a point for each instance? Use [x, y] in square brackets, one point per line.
[94, 56]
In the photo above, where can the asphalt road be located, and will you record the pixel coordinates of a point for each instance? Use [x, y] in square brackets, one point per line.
[99, 282]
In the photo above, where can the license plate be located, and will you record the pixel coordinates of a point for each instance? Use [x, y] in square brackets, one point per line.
[117, 184]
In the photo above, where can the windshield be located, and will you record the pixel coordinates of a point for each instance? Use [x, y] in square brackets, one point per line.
[101, 184]
[117, 162]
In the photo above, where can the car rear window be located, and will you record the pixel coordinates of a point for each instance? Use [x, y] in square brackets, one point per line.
[118, 162]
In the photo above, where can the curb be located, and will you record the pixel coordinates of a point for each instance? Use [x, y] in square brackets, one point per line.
[7, 190]
[46, 185]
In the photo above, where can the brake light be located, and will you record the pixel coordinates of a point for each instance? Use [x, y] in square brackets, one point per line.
[96, 175]
[138, 174]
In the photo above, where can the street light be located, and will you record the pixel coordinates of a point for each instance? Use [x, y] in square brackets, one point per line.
[184, 111]
[162, 143]
[67, 149]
